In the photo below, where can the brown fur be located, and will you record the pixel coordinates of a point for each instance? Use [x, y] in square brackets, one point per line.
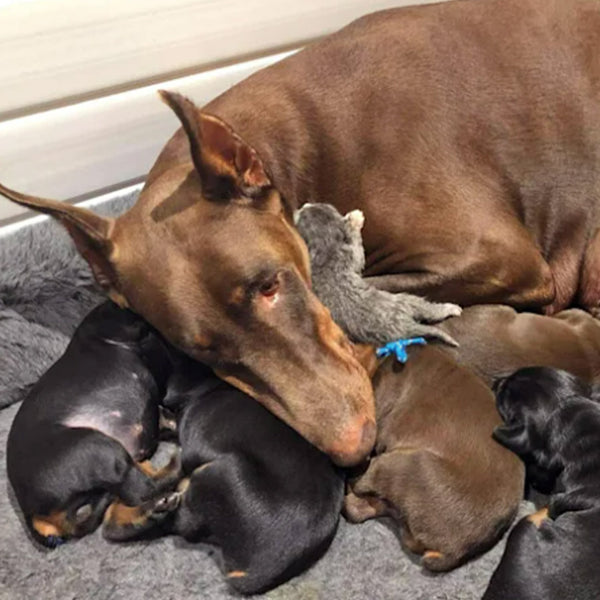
[496, 340]
[437, 470]
[468, 133]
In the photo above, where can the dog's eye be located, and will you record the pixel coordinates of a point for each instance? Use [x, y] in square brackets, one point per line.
[269, 288]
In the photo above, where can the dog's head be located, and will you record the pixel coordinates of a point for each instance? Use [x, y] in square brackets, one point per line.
[528, 401]
[332, 239]
[209, 256]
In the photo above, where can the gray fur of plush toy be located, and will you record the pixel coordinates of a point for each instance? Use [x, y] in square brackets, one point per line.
[366, 314]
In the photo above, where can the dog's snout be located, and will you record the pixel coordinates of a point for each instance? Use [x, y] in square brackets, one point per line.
[355, 443]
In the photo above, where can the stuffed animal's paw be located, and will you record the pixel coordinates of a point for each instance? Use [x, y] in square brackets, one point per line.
[450, 310]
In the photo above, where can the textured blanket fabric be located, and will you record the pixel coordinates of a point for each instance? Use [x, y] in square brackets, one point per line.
[45, 289]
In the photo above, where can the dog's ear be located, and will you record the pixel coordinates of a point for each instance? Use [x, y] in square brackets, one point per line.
[514, 437]
[90, 232]
[227, 166]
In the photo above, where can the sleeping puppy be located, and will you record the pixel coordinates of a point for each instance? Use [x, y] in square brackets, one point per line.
[79, 437]
[552, 423]
[437, 471]
[253, 487]
[495, 341]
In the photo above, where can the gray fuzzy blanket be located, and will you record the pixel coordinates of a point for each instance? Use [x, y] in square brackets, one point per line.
[45, 290]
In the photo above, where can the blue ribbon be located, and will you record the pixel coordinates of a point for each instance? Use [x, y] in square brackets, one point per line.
[398, 348]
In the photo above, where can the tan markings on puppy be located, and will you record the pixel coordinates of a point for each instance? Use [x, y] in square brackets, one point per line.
[183, 485]
[148, 468]
[121, 515]
[432, 554]
[53, 524]
[235, 574]
[537, 518]
[201, 467]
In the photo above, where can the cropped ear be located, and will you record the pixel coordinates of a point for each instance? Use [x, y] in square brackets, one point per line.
[227, 166]
[90, 232]
[514, 437]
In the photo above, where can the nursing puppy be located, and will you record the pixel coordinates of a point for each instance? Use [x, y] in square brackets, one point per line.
[495, 341]
[553, 424]
[366, 314]
[436, 470]
[268, 499]
[79, 437]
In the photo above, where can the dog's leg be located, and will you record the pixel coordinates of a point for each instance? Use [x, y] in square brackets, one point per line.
[512, 271]
[589, 282]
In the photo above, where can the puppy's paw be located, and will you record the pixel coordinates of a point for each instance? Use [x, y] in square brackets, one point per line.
[167, 503]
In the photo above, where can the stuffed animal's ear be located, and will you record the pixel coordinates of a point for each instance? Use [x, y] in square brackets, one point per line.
[227, 166]
[514, 437]
[355, 219]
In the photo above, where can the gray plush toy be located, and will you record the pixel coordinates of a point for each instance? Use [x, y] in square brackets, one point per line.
[366, 314]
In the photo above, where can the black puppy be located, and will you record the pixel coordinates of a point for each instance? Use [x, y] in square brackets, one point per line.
[74, 443]
[554, 425]
[254, 487]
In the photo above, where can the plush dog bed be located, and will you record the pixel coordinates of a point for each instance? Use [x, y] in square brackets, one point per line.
[45, 290]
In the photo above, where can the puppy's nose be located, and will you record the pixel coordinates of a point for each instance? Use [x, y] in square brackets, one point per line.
[355, 444]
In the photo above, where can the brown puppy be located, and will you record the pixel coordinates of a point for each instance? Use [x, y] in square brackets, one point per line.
[437, 470]
[494, 341]
[468, 132]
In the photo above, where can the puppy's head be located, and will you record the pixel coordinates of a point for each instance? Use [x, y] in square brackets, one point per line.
[528, 401]
[81, 517]
[331, 238]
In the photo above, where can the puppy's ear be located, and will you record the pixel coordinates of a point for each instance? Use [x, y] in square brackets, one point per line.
[514, 437]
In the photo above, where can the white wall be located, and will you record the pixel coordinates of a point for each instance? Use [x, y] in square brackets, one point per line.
[78, 108]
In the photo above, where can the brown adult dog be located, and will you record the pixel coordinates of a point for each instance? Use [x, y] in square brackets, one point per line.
[437, 470]
[495, 341]
[468, 132]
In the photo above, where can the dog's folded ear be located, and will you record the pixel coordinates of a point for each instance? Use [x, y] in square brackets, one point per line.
[514, 437]
[227, 166]
[90, 232]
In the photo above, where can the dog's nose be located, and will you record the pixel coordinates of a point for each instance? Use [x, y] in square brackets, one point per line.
[355, 444]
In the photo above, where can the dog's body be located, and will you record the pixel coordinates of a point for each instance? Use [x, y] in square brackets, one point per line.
[436, 469]
[255, 488]
[367, 315]
[495, 340]
[468, 133]
[76, 439]
[554, 425]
